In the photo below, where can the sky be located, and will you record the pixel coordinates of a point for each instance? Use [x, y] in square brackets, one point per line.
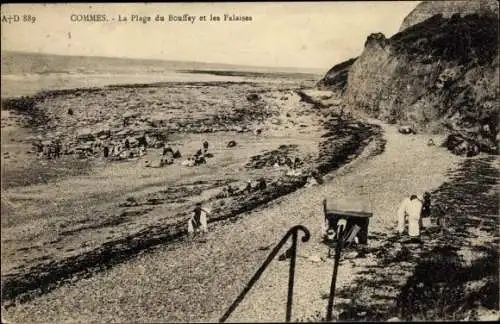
[293, 34]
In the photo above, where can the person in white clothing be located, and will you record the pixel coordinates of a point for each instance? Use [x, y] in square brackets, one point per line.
[410, 209]
[198, 221]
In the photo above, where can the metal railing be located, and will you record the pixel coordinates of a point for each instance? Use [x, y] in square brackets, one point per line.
[293, 232]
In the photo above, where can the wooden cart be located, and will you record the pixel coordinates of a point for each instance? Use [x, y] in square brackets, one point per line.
[355, 223]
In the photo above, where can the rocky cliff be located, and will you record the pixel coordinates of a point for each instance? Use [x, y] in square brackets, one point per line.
[427, 9]
[336, 77]
[439, 74]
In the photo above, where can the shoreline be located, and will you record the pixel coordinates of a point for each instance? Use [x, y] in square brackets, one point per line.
[219, 80]
[333, 154]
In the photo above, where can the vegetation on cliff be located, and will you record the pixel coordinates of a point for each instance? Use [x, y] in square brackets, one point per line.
[439, 75]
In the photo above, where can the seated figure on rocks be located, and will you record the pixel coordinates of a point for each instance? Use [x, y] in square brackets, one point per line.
[168, 160]
[249, 188]
[199, 160]
[198, 221]
[297, 163]
[57, 149]
[168, 154]
[38, 146]
[143, 140]
[106, 151]
[262, 184]
[142, 151]
[167, 150]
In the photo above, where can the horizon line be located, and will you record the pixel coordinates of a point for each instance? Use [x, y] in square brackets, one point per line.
[171, 60]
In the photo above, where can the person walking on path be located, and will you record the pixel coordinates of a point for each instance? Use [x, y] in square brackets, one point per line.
[410, 210]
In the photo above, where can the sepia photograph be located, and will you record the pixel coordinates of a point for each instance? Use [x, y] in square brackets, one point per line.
[250, 162]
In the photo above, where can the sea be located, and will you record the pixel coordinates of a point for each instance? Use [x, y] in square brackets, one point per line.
[24, 74]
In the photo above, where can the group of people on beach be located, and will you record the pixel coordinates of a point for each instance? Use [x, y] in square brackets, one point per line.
[51, 149]
[199, 157]
[124, 148]
[127, 148]
[279, 161]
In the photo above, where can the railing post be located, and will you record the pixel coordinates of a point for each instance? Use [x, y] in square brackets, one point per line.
[294, 232]
[291, 277]
[338, 249]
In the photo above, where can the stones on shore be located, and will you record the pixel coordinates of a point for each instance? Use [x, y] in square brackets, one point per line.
[406, 129]
[314, 258]
[394, 319]
[463, 145]
[253, 97]
[276, 158]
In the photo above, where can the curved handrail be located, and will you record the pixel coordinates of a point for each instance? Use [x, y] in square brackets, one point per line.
[291, 232]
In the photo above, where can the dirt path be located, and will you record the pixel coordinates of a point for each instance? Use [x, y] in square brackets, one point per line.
[198, 280]
[407, 165]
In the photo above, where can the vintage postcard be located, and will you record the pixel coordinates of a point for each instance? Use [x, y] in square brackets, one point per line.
[249, 162]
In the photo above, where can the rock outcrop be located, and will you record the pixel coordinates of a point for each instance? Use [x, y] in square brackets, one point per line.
[427, 9]
[336, 77]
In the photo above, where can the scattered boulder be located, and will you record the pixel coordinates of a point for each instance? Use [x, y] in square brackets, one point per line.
[430, 142]
[103, 132]
[253, 97]
[394, 319]
[85, 134]
[405, 129]
[311, 181]
[189, 162]
[131, 201]
[158, 120]
[459, 145]
[314, 258]
[294, 173]
[131, 114]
